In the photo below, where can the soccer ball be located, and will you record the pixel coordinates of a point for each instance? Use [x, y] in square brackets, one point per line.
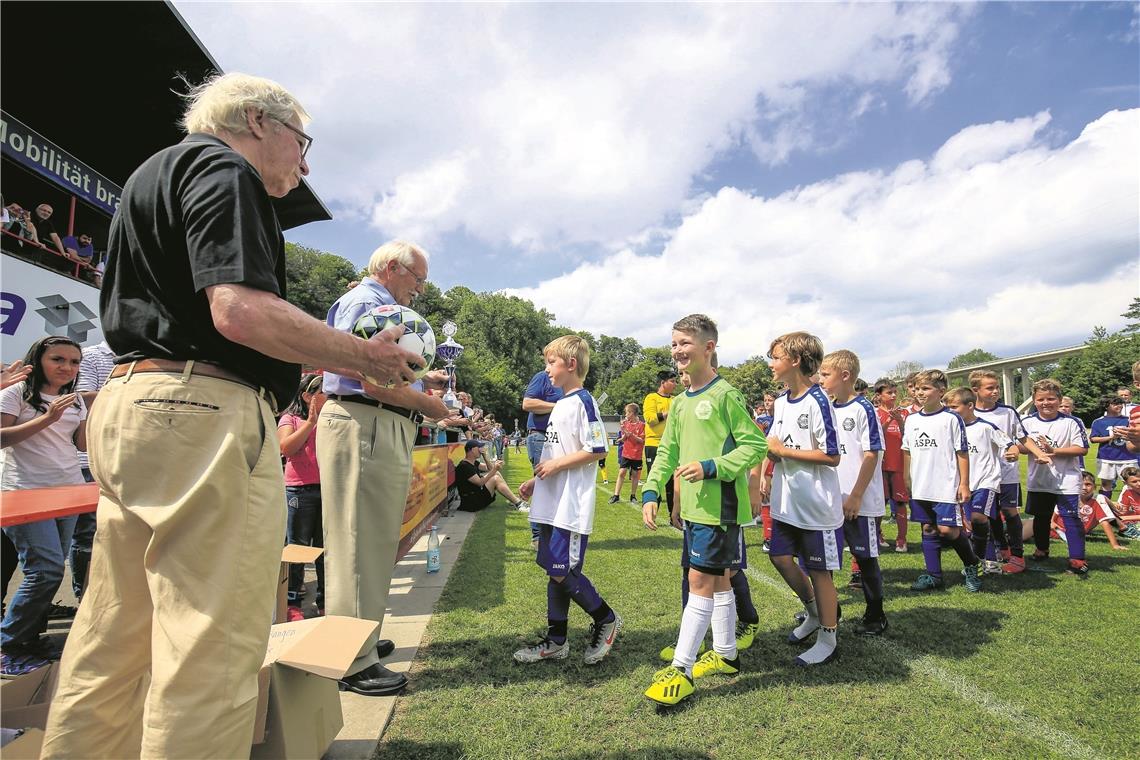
[418, 336]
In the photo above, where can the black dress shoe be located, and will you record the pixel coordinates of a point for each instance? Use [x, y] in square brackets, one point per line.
[385, 647]
[374, 681]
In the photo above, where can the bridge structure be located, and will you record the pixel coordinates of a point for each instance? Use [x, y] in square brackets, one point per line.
[1014, 367]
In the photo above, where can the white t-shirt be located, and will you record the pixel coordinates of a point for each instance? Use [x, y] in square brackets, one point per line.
[94, 370]
[804, 494]
[1063, 476]
[566, 499]
[48, 458]
[1006, 419]
[987, 449]
[857, 425]
[933, 441]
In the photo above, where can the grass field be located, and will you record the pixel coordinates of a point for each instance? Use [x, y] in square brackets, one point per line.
[1037, 665]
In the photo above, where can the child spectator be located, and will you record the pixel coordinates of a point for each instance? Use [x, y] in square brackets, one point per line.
[655, 411]
[937, 467]
[764, 412]
[1128, 509]
[297, 437]
[912, 394]
[1067, 405]
[43, 424]
[807, 501]
[892, 422]
[1008, 536]
[1112, 457]
[860, 480]
[562, 506]
[988, 446]
[632, 446]
[710, 430]
[1056, 485]
[1132, 412]
[1094, 510]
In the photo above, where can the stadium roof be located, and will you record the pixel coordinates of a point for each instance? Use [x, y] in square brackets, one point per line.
[100, 84]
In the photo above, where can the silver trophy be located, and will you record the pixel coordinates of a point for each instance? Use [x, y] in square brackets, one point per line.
[449, 351]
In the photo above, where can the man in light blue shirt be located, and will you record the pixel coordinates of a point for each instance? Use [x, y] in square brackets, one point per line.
[365, 436]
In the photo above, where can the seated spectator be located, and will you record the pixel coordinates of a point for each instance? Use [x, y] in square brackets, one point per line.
[45, 230]
[1128, 509]
[477, 487]
[1093, 510]
[79, 248]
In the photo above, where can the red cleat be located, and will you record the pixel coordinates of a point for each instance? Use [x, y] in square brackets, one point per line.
[1015, 565]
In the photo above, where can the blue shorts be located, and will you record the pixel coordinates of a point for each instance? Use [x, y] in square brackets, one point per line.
[936, 512]
[713, 547]
[819, 549]
[1010, 496]
[984, 501]
[862, 536]
[1041, 504]
[560, 551]
[740, 554]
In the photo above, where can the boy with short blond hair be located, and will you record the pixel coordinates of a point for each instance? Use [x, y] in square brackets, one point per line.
[710, 441]
[807, 501]
[1057, 484]
[860, 479]
[562, 505]
[937, 467]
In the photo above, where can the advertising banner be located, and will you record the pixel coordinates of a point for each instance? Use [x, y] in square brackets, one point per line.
[35, 302]
[433, 471]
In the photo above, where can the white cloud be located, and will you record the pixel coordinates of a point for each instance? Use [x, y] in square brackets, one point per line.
[540, 125]
[996, 242]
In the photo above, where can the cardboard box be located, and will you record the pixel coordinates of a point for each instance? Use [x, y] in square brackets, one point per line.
[24, 701]
[292, 553]
[298, 713]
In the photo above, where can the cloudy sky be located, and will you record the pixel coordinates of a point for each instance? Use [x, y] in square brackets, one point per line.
[906, 181]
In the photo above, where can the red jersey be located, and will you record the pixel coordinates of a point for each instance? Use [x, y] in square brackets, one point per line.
[631, 449]
[1129, 503]
[892, 440]
[1092, 513]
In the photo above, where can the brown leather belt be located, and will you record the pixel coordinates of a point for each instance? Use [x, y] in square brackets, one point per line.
[176, 367]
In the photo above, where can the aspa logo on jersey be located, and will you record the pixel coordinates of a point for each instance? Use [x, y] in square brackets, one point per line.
[973, 448]
[789, 442]
[551, 436]
[802, 421]
[843, 449]
[849, 424]
[925, 441]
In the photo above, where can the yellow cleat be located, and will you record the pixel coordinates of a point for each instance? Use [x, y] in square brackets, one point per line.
[712, 663]
[745, 635]
[669, 687]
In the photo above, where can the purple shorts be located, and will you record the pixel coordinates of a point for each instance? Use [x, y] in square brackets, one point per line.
[560, 550]
[819, 549]
[861, 535]
[936, 512]
[1010, 496]
[984, 501]
[739, 559]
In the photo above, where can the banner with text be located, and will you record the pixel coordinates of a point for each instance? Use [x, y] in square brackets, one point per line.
[30, 149]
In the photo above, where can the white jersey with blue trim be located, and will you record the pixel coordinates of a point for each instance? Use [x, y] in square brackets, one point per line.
[857, 426]
[1006, 419]
[1063, 476]
[805, 494]
[566, 499]
[934, 440]
[987, 449]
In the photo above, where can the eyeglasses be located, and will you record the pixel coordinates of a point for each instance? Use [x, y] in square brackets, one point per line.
[306, 141]
[419, 280]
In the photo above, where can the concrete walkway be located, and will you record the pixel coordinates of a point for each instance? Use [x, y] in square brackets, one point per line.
[410, 604]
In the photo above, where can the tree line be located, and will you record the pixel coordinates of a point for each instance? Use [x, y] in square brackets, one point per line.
[503, 337]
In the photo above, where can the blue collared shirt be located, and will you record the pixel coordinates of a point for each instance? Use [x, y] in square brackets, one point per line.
[343, 315]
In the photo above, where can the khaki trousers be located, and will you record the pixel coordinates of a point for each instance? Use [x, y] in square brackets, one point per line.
[365, 456]
[163, 657]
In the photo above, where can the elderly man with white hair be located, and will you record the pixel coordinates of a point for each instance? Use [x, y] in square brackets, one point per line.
[365, 437]
[163, 656]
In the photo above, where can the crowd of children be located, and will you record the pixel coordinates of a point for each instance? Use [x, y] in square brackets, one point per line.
[820, 464]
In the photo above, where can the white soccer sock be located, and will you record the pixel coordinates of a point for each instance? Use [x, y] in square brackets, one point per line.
[694, 624]
[724, 624]
[811, 622]
[824, 646]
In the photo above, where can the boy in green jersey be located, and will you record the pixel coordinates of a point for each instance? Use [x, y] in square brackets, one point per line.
[710, 429]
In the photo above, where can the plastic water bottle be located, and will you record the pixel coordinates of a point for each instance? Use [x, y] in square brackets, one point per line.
[433, 552]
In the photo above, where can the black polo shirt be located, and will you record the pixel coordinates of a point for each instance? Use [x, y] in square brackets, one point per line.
[193, 215]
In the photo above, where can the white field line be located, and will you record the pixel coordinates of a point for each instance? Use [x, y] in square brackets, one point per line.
[1027, 723]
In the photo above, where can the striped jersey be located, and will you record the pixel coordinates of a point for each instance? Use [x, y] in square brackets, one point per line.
[857, 425]
[934, 440]
[806, 494]
[1006, 419]
[987, 449]
[1063, 476]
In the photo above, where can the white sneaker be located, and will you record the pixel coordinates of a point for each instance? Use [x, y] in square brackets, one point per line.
[543, 650]
[991, 567]
[524, 506]
[602, 636]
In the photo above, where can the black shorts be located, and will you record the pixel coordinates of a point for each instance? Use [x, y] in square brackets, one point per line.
[473, 502]
[629, 464]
